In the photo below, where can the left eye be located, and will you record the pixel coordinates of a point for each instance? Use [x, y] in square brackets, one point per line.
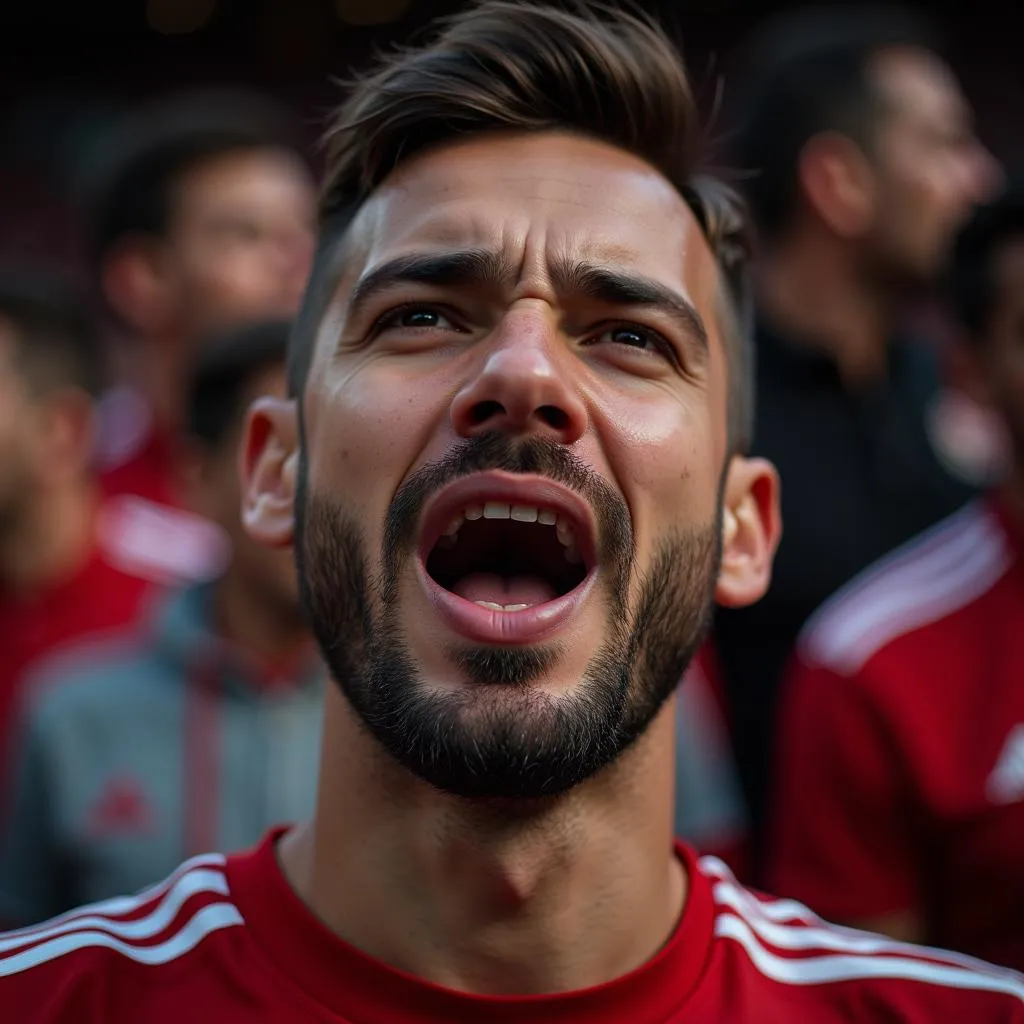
[413, 317]
[633, 337]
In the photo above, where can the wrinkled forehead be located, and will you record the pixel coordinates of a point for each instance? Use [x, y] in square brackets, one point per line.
[534, 202]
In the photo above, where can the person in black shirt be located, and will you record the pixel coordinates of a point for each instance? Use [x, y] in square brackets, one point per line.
[860, 163]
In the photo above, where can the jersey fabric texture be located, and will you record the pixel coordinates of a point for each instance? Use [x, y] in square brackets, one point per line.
[228, 941]
[901, 755]
[139, 752]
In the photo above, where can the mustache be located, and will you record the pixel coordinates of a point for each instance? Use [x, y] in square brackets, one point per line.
[495, 450]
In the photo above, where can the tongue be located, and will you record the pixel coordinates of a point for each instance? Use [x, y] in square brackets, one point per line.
[504, 590]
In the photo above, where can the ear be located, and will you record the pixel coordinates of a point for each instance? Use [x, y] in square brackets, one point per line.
[838, 184]
[134, 285]
[270, 467]
[67, 432]
[751, 530]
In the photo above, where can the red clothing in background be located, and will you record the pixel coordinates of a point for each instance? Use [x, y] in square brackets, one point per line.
[229, 942]
[901, 752]
[105, 593]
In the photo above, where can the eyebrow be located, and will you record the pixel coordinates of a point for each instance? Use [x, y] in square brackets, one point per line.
[483, 267]
[444, 269]
[621, 288]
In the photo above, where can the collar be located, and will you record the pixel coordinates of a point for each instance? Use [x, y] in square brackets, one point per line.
[357, 987]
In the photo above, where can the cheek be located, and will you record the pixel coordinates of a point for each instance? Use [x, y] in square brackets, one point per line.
[666, 457]
[368, 428]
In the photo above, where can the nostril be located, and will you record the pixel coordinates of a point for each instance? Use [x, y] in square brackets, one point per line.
[484, 411]
[554, 417]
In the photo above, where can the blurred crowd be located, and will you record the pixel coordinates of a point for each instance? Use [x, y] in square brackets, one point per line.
[855, 740]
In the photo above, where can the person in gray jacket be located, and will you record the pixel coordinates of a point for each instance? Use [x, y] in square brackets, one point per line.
[198, 731]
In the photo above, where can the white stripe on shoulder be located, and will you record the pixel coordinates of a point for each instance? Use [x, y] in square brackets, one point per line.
[812, 933]
[137, 929]
[210, 918]
[120, 906]
[836, 967]
[932, 576]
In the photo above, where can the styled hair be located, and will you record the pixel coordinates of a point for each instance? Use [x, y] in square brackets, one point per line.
[222, 373]
[132, 186]
[522, 67]
[973, 289]
[56, 341]
[804, 73]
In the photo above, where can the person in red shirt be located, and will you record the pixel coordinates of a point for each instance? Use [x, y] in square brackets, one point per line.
[201, 221]
[64, 573]
[512, 468]
[901, 796]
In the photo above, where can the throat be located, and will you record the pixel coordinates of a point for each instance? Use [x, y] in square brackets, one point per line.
[506, 592]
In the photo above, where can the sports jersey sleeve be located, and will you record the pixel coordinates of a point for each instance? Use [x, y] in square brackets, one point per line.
[29, 867]
[841, 838]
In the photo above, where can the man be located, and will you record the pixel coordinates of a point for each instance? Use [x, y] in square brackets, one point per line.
[63, 572]
[512, 467]
[861, 163]
[901, 756]
[197, 734]
[202, 219]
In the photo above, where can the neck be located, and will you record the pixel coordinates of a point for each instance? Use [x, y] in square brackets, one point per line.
[156, 368]
[51, 542]
[495, 900]
[270, 631]
[813, 294]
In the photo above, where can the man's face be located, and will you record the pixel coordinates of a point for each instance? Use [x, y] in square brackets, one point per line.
[1002, 349]
[931, 169]
[509, 518]
[240, 242]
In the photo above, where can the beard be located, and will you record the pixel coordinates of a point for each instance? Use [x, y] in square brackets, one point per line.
[502, 737]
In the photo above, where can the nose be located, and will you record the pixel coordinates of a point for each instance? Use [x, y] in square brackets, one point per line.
[524, 386]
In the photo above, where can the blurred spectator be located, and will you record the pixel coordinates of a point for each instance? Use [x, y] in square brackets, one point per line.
[202, 220]
[862, 164]
[900, 804]
[63, 573]
[198, 733]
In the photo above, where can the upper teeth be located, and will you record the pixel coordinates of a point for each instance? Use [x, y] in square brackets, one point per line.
[522, 514]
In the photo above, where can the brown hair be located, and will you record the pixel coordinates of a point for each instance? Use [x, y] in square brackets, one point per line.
[522, 67]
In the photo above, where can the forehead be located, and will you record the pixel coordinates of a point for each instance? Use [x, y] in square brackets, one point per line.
[266, 178]
[537, 199]
[918, 84]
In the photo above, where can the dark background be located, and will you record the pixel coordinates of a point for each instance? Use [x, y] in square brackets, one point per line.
[66, 70]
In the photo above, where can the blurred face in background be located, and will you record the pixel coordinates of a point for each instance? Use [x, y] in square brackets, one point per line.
[237, 248]
[267, 573]
[241, 241]
[999, 355]
[928, 166]
[45, 438]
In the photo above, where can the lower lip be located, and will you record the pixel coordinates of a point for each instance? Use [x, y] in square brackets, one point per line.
[488, 626]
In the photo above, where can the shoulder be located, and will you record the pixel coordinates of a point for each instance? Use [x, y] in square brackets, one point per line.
[798, 955]
[89, 672]
[62, 969]
[922, 585]
[158, 543]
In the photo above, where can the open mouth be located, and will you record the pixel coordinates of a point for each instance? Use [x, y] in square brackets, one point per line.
[507, 547]
[507, 557]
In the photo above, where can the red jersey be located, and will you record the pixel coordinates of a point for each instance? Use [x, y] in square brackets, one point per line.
[901, 750]
[225, 941]
[106, 593]
[139, 471]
